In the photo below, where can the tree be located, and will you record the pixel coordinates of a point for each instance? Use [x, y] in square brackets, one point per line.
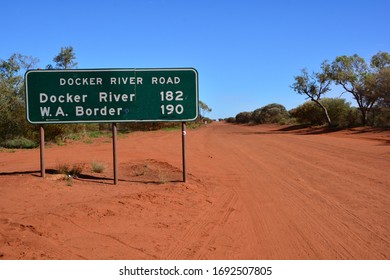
[380, 60]
[380, 79]
[379, 84]
[315, 86]
[354, 75]
[12, 108]
[65, 59]
[204, 109]
[10, 72]
[382, 82]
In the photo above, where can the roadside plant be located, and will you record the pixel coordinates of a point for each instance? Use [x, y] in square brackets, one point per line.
[98, 167]
[71, 170]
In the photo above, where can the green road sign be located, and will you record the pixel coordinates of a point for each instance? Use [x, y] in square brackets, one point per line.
[111, 95]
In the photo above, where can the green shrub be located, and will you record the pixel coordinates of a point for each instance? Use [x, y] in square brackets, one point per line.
[308, 113]
[271, 113]
[55, 131]
[340, 112]
[230, 120]
[244, 117]
[380, 117]
[96, 134]
[19, 143]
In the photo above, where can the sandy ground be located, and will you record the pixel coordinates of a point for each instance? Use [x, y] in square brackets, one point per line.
[253, 192]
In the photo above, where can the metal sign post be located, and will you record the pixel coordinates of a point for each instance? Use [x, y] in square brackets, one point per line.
[42, 151]
[183, 149]
[114, 151]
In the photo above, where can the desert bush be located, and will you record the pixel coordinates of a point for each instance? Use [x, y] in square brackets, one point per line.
[55, 131]
[308, 113]
[353, 117]
[230, 120]
[341, 113]
[98, 167]
[71, 170]
[271, 113]
[380, 117]
[12, 120]
[244, 117]
[19, 143]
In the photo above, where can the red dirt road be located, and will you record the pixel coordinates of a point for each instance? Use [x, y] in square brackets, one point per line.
[260, 192]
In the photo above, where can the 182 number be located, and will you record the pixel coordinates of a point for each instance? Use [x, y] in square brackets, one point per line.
[170, 95]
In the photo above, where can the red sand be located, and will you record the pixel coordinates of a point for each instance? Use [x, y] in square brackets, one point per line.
[260, 192]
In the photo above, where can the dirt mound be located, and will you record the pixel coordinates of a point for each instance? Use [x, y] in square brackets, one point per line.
[150, 171]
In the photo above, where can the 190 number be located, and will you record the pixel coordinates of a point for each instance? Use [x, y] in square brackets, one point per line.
[170, 109]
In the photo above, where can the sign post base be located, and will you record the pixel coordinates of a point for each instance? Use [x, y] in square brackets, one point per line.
[183, 146]
[42, 150]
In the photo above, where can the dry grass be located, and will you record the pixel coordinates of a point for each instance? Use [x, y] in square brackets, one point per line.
[72, 170]
[98, 167]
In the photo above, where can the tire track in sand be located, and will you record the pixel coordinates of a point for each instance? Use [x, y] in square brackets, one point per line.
[200, 234]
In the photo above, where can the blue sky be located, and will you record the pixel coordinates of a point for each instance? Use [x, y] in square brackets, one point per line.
[247, 52]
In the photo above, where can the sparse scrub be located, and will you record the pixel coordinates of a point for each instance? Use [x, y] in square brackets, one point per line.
[19, 143]
[97, 134]
[162, 178]
[98, 167]
[71, 170]
[69, 181]
[88, 141]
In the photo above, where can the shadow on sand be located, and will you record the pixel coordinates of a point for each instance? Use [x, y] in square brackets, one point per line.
[88, 177]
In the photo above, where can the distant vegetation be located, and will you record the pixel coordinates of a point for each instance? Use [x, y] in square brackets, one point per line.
[16, 132]
[272, 113]
[340, 112]
[369, 85]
